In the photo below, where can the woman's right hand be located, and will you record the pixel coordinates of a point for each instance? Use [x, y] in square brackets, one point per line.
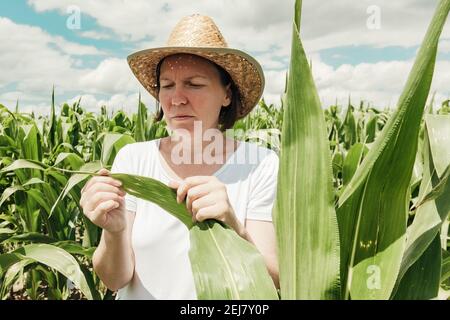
[103, 202]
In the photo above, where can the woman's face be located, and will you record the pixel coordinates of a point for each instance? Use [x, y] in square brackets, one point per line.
[190, 86]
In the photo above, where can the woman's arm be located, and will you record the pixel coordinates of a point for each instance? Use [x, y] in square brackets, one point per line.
[113, 259]
[262, 235]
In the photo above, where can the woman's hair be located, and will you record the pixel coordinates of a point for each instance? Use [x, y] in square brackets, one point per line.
[227, 115]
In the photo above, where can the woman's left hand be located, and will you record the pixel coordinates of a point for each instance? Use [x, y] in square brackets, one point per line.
[207, 198]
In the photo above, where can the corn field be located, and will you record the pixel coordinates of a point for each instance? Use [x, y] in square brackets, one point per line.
[363, 194]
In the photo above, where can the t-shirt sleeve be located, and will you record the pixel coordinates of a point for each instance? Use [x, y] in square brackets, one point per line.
[263, 189]
[123, 164]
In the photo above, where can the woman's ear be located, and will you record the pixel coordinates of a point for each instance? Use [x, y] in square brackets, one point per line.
[229, 94]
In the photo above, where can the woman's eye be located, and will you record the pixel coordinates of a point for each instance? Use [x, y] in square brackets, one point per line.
[167, 86]
[196, 85]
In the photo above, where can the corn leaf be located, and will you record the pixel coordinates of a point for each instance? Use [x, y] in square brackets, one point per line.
[445, 268]
[442, 188]
[11, 276]
[221, 259]
[70, 158]
[430, 215]
[246, 276]
[58, 259]
[31, 237]
[112, 143]
[352, 161]
[305, 218]
[23, 164]
[139, 132]
[7, 260]
[225, 266]
[74, 180]
[373, 206]
[421, 281]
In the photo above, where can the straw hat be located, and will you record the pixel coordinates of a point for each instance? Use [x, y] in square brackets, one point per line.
[199, 35]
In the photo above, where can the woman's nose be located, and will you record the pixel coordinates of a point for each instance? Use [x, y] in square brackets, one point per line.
[178, 97]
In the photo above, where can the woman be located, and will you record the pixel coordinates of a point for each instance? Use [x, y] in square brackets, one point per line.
[203, 88]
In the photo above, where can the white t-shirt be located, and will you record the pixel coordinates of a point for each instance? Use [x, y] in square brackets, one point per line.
[161, 242]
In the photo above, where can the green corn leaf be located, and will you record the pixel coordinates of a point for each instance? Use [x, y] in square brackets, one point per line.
[52, 134]
[7, 260]
[139, 132]
[112, 143]
[73, 247]
[438, 128]
[352, 161]
[242, 272]
[225, 266]
[373, 206]
[442, 188]
[420, 76]
[72, 159]
[35, 237]
[421, 281]
[371, 129]
[11, 276]
[157, 192]
[24, 164]
[58, 259]
[9, 192]
[305, 218]
[430, 215]
[31, 142]
[445, 268]
[74, 180]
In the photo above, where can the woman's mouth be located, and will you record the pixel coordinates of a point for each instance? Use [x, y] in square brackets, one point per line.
[182, 117]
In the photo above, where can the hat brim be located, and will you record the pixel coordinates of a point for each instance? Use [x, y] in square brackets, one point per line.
[245, 71]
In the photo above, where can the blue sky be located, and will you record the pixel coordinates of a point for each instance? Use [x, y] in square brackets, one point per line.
[350, 57]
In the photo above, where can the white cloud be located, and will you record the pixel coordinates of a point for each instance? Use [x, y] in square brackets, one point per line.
[111, 75]
[378, 83]
[36, 60]
[95, 35]
[257, 24]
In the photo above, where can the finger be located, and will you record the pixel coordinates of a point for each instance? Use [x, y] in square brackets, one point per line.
[174, 184]
[99, 197]
[98, 215]
[194, 180]
[100, 187]
[202, 202]
[103, 171]
[195, 193]
[210, 212]
[189, 183]
[103, 179]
